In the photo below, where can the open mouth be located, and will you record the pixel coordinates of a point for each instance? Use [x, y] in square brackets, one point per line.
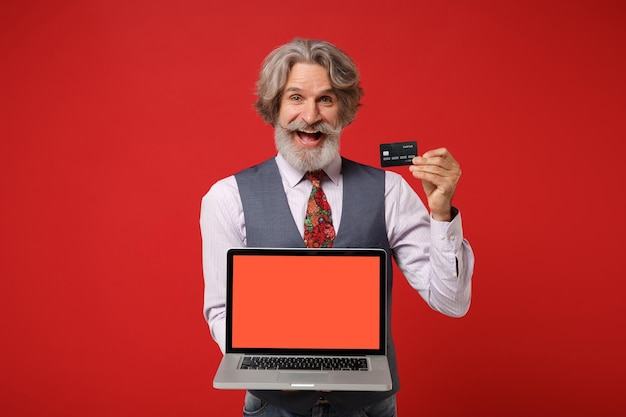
[309, 137]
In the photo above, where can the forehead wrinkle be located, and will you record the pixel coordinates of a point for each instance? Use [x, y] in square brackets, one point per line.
[294, 89]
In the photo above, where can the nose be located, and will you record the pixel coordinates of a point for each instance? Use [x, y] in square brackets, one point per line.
[310, 113]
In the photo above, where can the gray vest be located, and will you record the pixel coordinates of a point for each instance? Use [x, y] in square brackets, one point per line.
[269, 224]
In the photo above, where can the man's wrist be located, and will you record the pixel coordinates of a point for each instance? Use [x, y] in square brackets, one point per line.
[445, 216]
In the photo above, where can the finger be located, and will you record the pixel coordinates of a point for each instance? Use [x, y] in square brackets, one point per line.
[422, 161]
[435, 165]
[439, 152]
[440, 156]
[432, 169]
[436, 174]
[438, 178]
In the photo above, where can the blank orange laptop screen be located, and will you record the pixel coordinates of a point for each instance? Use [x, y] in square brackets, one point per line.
[306, 302]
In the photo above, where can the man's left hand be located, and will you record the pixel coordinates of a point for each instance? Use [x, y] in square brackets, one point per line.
[439, 173]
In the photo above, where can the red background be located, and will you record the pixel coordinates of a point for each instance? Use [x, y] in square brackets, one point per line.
[117, 116]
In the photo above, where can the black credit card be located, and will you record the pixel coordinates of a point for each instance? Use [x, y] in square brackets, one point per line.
[397, 154]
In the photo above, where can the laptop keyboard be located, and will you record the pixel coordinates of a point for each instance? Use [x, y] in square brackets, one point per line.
[305, 363]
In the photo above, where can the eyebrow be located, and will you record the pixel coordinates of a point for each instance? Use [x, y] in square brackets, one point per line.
[299, 90]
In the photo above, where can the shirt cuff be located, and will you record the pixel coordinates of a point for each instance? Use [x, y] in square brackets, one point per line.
[447, 236]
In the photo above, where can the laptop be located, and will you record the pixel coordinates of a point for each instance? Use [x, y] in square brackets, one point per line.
[290, 326]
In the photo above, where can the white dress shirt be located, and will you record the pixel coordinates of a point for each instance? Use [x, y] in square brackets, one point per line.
[433, 256]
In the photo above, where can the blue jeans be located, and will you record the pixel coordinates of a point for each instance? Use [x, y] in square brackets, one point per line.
[254, 407]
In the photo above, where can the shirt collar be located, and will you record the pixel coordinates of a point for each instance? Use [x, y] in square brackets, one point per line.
[293, 176]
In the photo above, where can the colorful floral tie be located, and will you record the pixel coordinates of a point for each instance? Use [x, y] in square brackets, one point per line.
[318, 224]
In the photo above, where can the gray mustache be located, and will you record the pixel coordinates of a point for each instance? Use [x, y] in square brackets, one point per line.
[322, 127]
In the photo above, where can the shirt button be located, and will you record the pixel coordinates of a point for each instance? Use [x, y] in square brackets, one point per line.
[451, 237]
[442, 237]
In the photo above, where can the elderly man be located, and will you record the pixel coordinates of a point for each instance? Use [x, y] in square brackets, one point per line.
[309, 91]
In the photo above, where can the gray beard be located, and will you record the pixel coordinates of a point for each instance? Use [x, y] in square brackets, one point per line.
[307, 159]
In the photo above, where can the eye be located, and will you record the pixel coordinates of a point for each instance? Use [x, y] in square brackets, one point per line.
[326, 100]
[295, 97]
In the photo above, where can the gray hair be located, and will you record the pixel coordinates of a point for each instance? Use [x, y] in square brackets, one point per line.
[342, 72]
